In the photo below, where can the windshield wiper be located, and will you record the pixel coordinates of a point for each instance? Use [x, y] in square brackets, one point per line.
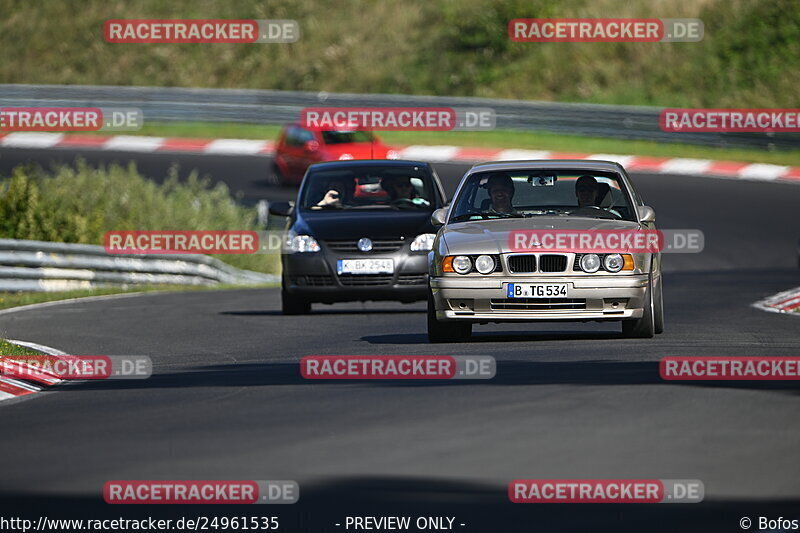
[485, 215]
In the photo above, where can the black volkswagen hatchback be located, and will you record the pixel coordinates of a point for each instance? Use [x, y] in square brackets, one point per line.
[360, 230]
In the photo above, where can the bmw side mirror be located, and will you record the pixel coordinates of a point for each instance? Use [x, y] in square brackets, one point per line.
[311, 146]
[281, 209]
[439, 217]
[646, 213]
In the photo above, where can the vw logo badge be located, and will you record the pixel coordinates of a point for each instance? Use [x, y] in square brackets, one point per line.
[364, 244]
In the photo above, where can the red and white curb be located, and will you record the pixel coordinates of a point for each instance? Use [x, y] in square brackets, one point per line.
[137, 143]
[14, 384]
[10, 387]
[783, 302]
[658, 165]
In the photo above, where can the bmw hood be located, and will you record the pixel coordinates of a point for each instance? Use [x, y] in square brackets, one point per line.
[493, 236]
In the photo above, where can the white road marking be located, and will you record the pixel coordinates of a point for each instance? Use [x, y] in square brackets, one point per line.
[522, 155]
[31, 140]
[235, 146]
[621, 159]
[760, 171]
[429, 153]
[685, 166]
[133, 143]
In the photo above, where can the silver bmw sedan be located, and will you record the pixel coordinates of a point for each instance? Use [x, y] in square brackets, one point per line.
[553, 240]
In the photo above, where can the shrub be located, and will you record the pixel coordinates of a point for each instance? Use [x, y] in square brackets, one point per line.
[79, 204]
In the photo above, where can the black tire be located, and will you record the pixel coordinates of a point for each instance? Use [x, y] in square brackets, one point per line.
[294, 305]
[274, 177]
[658, 307]
[642, 328]
[445, 331]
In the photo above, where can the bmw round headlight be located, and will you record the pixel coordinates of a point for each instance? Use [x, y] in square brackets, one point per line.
[462, 264]
[590, 263]
[423, 242]
[613, 262]
[484, 264]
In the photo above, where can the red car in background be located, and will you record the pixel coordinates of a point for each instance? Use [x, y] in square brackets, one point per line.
[299, 147]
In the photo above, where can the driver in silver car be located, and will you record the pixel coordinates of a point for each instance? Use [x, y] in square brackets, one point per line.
[587, 190]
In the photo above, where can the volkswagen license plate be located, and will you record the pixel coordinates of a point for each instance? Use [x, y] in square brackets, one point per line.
[365, 266]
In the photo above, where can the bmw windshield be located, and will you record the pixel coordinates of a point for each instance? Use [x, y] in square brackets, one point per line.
[526, 193]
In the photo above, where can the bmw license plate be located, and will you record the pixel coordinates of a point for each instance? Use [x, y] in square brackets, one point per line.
[365, 266]
[536, 290]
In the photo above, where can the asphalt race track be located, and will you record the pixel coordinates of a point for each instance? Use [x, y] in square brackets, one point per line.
[226, 400]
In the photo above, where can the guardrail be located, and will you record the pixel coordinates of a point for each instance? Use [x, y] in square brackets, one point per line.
[49, 266]
[277, 107]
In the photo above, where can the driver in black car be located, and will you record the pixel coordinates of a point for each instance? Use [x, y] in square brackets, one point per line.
[402, 191]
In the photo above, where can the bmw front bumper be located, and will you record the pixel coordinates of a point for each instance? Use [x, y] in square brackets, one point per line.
[484, 299]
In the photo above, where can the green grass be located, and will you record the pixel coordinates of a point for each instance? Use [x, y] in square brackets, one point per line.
[8, 349]
[747, 58]
[16, 299]
[528, 140]
[205, 130]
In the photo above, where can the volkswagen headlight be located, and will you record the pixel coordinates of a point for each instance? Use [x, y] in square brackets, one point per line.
[423, 243]
[302, 243]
